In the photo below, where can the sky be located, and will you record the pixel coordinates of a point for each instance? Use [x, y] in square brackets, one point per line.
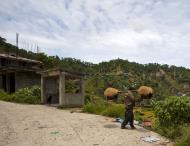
[144, 31]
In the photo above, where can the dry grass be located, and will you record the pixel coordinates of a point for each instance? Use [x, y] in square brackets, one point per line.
[109, 92]
[145, 90]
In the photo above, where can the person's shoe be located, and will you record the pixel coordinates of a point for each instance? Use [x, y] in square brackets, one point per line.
[133, 127]
[123, 128]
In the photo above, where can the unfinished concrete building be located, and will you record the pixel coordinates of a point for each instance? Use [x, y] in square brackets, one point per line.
[62, 88]
[18, 72]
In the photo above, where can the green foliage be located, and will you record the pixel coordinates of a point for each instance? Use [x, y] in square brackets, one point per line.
[96, 107]
[101, 107]
[173, 114]
[184, 139]
[25, 95]
[114, 110]
[120, 99]
[4, 96]
[172, 131]
[138, 116]
[180, 134]
[142, 113]
[72, 86]
[173, 110]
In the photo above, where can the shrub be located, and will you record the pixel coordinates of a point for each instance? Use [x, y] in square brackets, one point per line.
[87, 98]
[102, 107]
[96, 107]
[184, 140]
[173, 114]
[171, 132]
[173, 110]
[27, 95]
[120, 99]
[4, 96]
[114, 110]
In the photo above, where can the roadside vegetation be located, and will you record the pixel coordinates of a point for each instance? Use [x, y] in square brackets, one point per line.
[173, 119]
[170, 117]
[25, 95]
[101, 107]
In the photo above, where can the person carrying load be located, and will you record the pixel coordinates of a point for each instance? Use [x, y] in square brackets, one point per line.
[129, 102]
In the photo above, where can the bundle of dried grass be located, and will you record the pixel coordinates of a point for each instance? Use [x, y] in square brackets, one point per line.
[111, 93]
[145, 91]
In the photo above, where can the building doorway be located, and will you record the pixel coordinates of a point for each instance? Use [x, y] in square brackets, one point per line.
[52, 90]
[8, 82]
[12, 82]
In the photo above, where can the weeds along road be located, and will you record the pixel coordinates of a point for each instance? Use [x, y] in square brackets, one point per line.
[40, 125]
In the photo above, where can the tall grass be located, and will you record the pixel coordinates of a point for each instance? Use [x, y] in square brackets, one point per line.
[95, 108]
[104, 108]
[101, 107]
[114, 110]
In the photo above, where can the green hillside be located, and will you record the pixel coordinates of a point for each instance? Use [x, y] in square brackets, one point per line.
[166, 80]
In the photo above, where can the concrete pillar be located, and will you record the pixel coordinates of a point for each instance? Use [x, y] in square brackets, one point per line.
[16, 81]
[1, 82]
[62, 99]
[7, 83]
[43, 99]
[82, 90]
[4, 81]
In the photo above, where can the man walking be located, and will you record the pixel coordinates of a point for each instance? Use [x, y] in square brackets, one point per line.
[129, 116]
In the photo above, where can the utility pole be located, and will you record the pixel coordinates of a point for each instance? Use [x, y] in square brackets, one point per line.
[28, 47]
[31, 47]
[38, 49]
[17, 35]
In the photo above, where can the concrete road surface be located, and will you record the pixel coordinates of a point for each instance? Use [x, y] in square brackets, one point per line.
[40, 125]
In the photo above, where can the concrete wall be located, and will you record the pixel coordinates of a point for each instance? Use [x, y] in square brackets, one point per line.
[53, 84]
[74, 99]
[26, 79]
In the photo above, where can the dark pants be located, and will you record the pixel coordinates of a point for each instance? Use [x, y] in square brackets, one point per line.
[129, 118]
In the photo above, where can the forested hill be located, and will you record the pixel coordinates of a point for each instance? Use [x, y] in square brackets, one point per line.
[166, 80]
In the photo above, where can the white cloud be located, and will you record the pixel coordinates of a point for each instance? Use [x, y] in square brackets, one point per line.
[139, 30]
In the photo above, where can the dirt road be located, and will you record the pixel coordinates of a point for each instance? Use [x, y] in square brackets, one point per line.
[39, 125]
